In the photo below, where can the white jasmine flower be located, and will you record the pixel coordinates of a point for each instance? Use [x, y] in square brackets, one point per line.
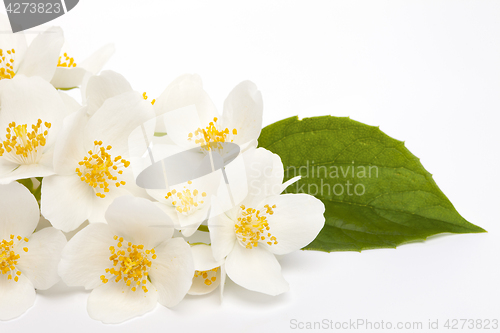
[130, 264]
[43, 57]
[197, 137]
[187, 203]
[265, 224]
[31, 117]
[192, 121]
[27, 261]
[38, 59]
[70, 74]
[209, 273]
[91, 159]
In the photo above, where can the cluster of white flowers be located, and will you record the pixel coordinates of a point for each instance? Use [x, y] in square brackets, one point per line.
[146, 175]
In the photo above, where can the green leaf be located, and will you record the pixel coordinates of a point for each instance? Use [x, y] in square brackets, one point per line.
[203, 228]
[38, 192]
[376, 192]
[27, 182]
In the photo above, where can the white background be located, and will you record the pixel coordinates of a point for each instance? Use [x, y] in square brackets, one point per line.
[427, 72]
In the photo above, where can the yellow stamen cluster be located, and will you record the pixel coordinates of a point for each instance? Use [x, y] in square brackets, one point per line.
[9, 259]
[211, 136]
[146, 98]
[185, 201]
[7, 64]
[130, 263]
[99, 168]
[209, 277]
[23, 145]
[252, 227]
[67, 62]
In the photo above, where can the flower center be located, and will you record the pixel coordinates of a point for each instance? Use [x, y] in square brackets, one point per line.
[25, 147]
[146, 98]
[7, 64]
[211, 136]
[67, 61]
[185, 201]
[130, 263]
[252, 227]
[100, 167]
[209, 277]
[9, 258]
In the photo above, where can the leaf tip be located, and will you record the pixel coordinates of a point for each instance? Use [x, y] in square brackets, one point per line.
[480, 230]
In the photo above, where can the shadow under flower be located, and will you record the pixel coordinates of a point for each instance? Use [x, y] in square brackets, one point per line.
[61, 290]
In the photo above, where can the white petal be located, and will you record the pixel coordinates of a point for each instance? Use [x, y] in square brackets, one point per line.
[188, 231]
[113, 303]
[172, 271]
[71, 104]
[115, 120]
[162, 140]
[222, 235]
[206, 186]
[170, 211]
[243, 112]
[203, 258]
[296, 221]
[47, 160]
[65, 78]
[184, 91]
[69, 149]
[140, 150]
[15, 297]
[40, 263]
[26, 171]
[190, 223]
[98, 59]
[159, 195]
[256, 269]
[204, 261]
[6, 167]
[42, 54]
[101, 205]
[180, 123]
[80, 74]
[83, 87]
[139, 221]
[199, 287]
[86, 256]
[249, 145]
[9, 41]
[230, 195]
[131, 186]
[27, 99]
[19, 211]
[92, 65]
[66, 201]
[222, 283]
[160, 152]
[264, 171]
[104, 86]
